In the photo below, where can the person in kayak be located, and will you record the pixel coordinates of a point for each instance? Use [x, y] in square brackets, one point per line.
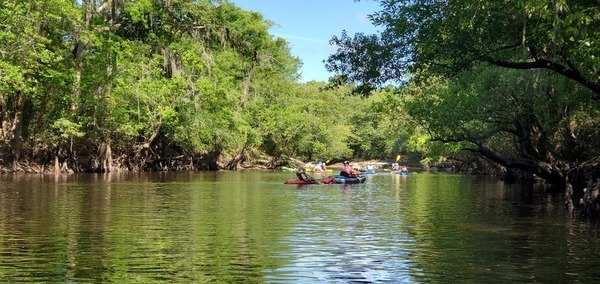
[404, 169]
[318, 167]
[347, 170]
[301, 174]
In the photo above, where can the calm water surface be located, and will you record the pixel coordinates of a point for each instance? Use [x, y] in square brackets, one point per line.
[248, 227]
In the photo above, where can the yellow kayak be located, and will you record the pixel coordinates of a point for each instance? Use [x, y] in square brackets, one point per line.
[320, 171]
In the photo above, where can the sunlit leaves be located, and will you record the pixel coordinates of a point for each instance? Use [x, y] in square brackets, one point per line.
[65, 130]
[139, 11]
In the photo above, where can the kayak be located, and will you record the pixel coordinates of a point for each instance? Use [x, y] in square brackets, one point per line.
[321, 171]
[343, 179]
[326, 180]
[399, 172]
[288, 169]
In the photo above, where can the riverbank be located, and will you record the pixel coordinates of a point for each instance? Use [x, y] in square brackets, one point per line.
[26, 167]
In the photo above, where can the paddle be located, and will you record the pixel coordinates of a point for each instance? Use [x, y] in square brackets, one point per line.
[311, 178]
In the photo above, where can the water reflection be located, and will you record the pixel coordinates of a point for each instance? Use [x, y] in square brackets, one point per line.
[333, 240]
[249, 227]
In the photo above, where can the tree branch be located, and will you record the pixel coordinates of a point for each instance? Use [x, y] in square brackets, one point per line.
[568, 72]
[540, 168]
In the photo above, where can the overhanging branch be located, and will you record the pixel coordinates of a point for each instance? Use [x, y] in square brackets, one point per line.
[540, 168]
[566, 71]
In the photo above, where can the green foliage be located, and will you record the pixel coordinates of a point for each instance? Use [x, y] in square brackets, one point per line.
[510, 113]
[448, 37]
[201, 78]
[134, 72]
[305, 123]
[64, 130]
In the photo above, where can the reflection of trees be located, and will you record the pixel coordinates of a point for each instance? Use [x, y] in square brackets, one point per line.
[59, 230]
[140, 228]
[213, 232]
[474, 228]
[225, 227]
[432, 220]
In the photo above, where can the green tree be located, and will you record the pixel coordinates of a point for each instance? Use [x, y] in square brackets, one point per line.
[519, 121]
[32, 68]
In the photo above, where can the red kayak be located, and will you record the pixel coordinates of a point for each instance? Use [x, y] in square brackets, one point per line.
[326, 180]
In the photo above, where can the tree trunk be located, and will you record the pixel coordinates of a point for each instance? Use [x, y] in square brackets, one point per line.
[78, 51]
[56, 164]
[246, 89]
[16, 131]
[235, 161]
[569, 198]
[105, 155]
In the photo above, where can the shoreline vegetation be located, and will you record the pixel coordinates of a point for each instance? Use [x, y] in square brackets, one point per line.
[380, 165]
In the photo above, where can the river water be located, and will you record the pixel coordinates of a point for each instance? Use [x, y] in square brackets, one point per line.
[249, 227]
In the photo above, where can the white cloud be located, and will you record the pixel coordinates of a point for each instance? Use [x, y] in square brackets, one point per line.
[286, 36]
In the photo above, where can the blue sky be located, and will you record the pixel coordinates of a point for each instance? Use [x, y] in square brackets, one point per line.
[308, 25]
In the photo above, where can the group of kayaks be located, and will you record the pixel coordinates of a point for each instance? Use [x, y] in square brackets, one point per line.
[339, 179]
[328, 180]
